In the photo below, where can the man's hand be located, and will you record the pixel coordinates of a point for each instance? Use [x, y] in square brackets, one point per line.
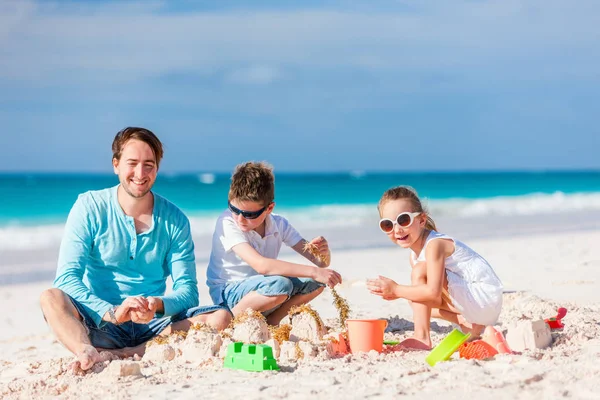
[321, 246]
[145, 315]
[327, 276]
[122, 312]
[384, 287]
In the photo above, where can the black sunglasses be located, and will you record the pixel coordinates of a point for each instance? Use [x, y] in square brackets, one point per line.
[247, 214]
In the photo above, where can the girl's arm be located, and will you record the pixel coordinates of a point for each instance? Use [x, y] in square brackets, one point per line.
[435, 254]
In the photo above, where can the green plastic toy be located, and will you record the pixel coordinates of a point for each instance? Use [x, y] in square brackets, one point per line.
[391, 342]
[250, 357]
[447, 347]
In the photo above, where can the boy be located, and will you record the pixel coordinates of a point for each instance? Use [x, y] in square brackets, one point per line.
[243, 271]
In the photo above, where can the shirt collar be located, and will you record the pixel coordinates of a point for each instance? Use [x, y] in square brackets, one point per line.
[270, 226]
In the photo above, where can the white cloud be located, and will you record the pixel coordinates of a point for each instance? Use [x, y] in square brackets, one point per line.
[124, 42]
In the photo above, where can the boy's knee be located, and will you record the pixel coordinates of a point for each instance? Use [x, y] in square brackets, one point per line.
[318, 291]
[220, 319]
[281, 286]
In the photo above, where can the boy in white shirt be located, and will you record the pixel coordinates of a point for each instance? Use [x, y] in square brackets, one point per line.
[243, 271]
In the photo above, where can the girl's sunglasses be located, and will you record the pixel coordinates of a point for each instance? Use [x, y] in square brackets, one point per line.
[247, 214]
[404, 219]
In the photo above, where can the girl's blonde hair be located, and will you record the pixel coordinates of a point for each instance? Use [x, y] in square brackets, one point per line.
[410, 194]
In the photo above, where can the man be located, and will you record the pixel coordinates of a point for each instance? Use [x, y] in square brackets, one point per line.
[120, 245]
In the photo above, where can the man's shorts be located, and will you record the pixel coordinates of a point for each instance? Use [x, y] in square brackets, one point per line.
[271, 285]
[130, 334]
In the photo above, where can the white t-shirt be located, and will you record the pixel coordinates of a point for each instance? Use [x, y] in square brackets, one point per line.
[474, 287]
[225, 266]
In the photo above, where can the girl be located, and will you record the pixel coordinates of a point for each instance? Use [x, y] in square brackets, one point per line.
[448, 280]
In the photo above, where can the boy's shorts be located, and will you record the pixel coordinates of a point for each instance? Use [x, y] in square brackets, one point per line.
[130, 334]
[272, 285]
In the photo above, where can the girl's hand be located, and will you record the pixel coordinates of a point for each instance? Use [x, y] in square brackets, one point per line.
[384, 287]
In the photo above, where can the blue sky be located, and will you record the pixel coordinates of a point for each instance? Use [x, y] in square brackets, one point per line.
[306, 85]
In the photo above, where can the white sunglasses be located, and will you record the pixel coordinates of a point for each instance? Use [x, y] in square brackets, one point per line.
[404, 219]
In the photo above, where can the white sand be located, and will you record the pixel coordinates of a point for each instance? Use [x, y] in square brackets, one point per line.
[540, 274]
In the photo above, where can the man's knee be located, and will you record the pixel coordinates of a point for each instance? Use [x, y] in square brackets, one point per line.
[56, 299]
[418, 274]
[51, 297]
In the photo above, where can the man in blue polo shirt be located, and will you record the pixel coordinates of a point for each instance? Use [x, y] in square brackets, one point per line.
[119, 247]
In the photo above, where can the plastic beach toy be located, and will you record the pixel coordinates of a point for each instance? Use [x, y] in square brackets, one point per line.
[496, 339]
[366, 334]
[447, 347]
[391, 342]
[250, 357]
[555, 322]
[478, 349]
[492, 342]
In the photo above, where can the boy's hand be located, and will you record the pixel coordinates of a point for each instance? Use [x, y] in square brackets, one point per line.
[327, 276]
[384, 287]
[321, 246]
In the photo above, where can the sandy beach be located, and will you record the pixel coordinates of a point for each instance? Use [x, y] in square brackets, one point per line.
[485, 108]
[541, 272]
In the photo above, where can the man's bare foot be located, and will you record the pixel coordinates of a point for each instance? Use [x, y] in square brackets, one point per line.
[416, 344]
[125, 352]
[86, 359]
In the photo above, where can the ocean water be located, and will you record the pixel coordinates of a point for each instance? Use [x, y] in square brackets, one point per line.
[34, 206]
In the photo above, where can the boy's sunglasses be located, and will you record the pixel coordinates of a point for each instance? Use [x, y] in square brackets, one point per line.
[404, 219]
[247, 214]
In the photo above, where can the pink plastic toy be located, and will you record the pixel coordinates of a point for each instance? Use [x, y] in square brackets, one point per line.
[496, 340]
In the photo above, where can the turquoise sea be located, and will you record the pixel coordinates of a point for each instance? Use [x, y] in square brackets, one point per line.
[38, 200]
[341, 206]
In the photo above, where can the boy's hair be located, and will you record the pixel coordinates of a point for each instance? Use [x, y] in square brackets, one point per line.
[142, 134]
[253, 181]
[410, 194]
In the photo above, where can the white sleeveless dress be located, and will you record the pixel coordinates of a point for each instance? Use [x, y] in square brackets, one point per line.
[474, 287]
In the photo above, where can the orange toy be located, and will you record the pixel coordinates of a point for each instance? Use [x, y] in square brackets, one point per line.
[491, 343]
[477, 349]
[366, 334]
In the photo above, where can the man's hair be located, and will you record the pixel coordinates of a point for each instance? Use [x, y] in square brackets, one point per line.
[142, 134]
[253, 181]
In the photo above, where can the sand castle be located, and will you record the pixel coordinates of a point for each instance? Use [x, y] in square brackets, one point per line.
[529, 335]
[250, 327]
[304, 336]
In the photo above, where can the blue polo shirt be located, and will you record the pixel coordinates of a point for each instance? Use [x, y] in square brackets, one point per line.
[102, 259]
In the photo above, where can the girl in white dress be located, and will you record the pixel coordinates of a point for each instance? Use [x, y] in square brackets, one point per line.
[448, 280]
